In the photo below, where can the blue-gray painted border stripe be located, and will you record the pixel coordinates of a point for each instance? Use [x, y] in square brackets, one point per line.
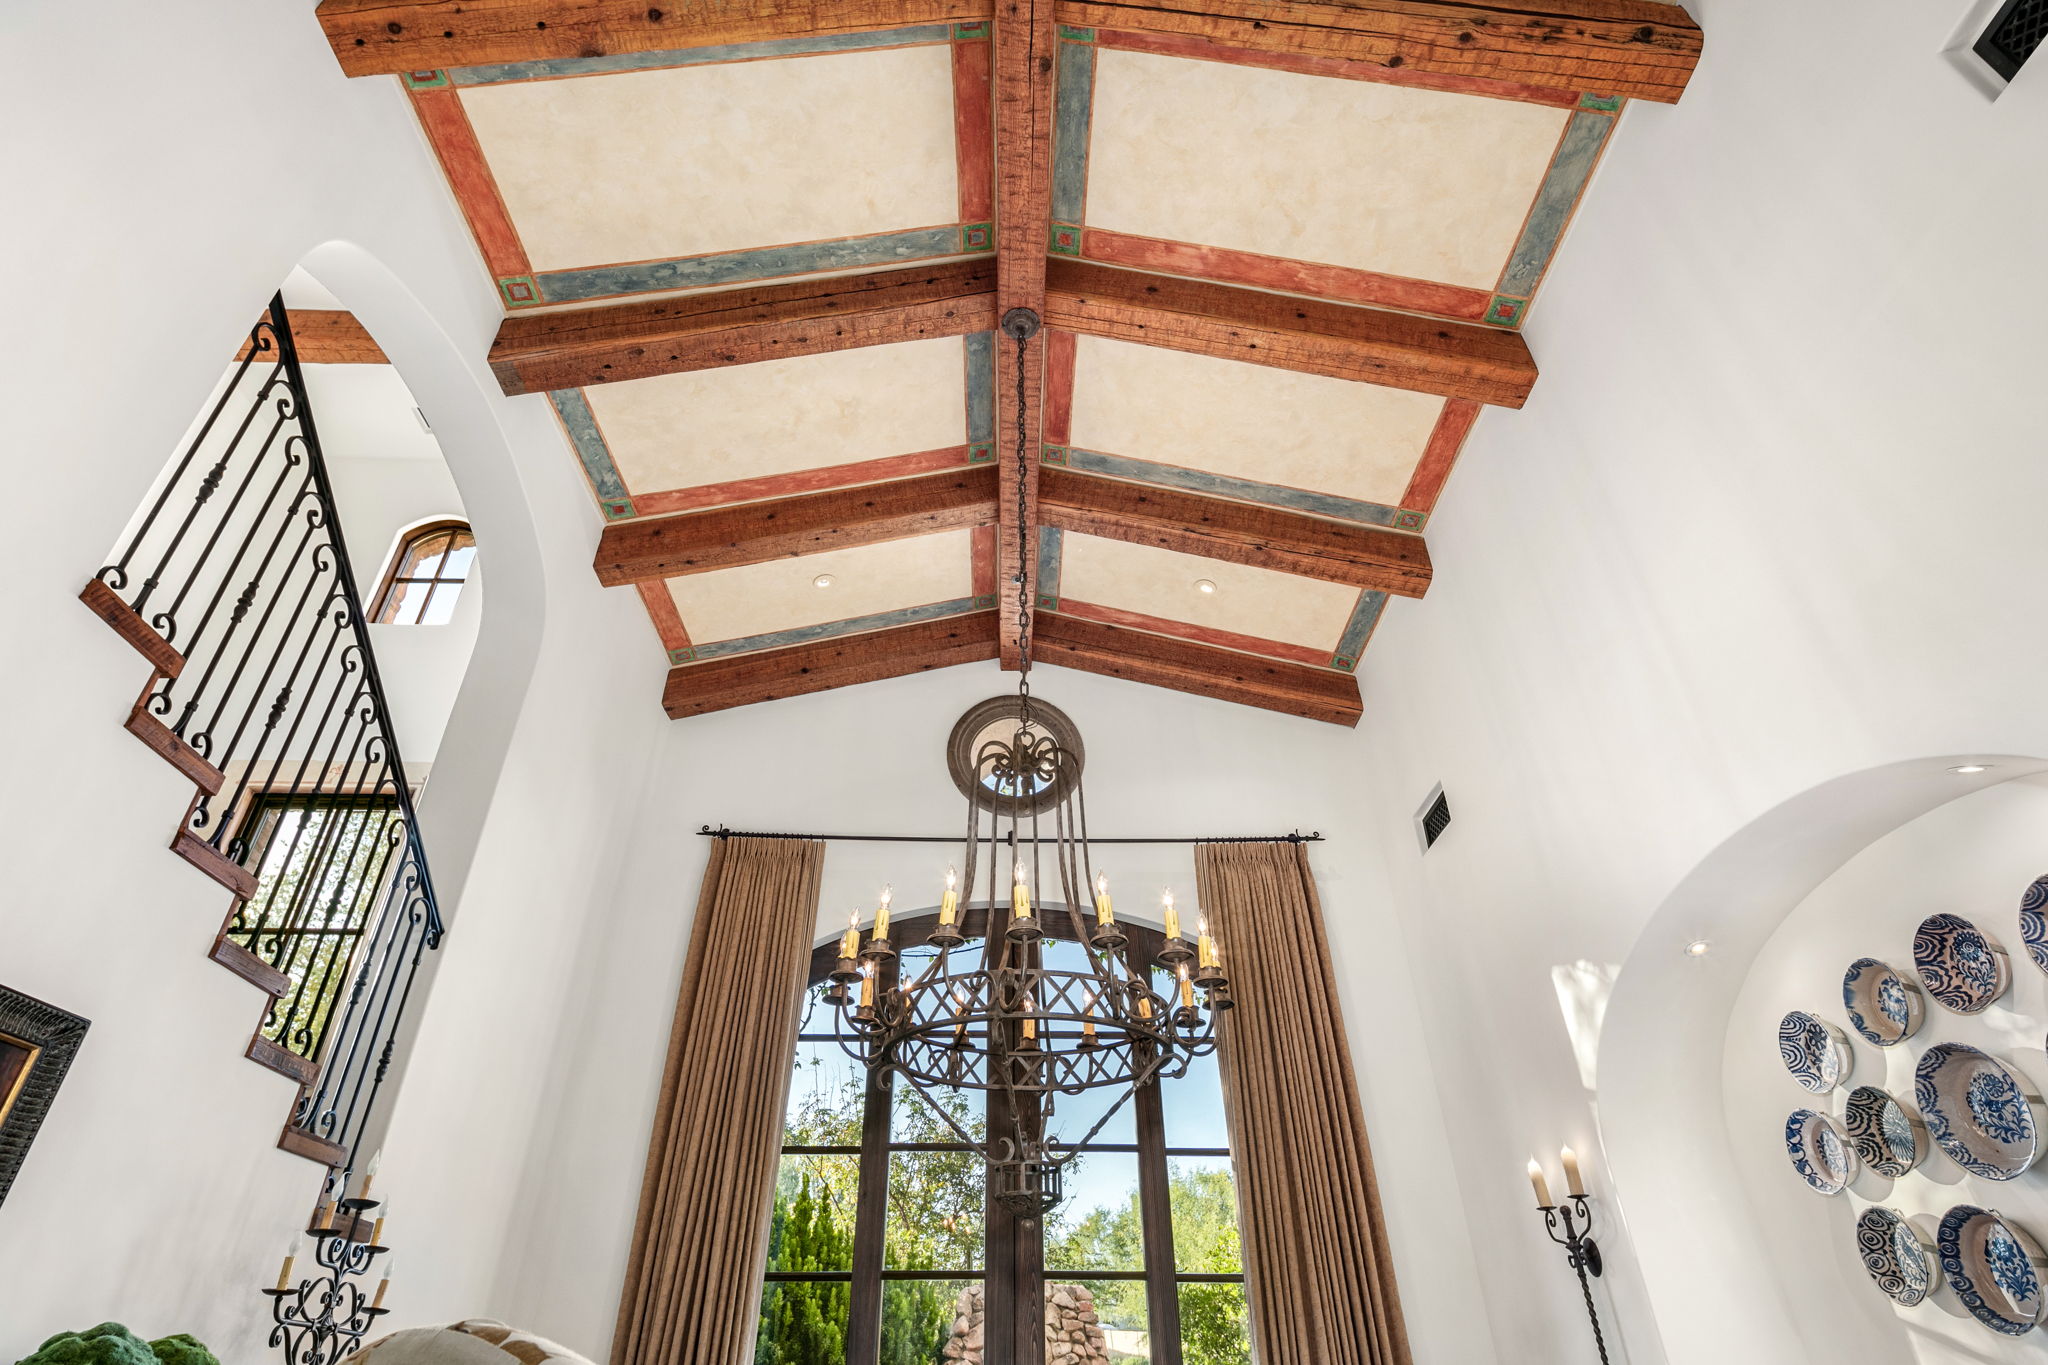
[581, 425]
[698, 56]
[903, 616]
[761, 263]
[1358, 629]
[1073, 111]
[1223, 486]
[981, 387]
[1577, 153]
[1051, 544]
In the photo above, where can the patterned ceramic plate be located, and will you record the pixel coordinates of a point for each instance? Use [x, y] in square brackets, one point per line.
[1885, 1006]
[1994, 1268]
[1888, 1137]
[1820, 1151]
[2034, 921]
[1896, 1257]
[1962, 967]
[1981, 1114]
[1814, 1051]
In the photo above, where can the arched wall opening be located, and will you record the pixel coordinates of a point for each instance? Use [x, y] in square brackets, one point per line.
[1715, 1273]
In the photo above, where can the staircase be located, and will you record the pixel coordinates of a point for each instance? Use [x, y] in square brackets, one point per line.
[233, 583]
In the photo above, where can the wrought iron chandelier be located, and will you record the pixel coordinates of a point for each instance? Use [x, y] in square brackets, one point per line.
[996, 1019]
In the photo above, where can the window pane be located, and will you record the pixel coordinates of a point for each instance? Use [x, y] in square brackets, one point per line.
[812, 1224]
[402, 607]
[920, 1318]
[825, 1095]
[1204, 1195]
[1098, 1227]
[427, 563]
[1099, 1319]
[936, 1202]
[456, 564]
[1214, 1327]
[1194, 1106]
[440, 605]
[802, 1323]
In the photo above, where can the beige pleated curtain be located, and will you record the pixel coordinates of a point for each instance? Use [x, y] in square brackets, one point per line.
[1318, 1272]
[693, 1279]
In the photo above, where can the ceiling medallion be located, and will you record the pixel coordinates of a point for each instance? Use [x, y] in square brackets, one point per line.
[997, 1019]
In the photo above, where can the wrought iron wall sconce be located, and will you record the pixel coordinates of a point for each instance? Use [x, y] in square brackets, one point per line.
[321, 1319]
[1573, 1233]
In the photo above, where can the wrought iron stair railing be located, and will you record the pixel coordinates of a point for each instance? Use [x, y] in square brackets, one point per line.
[234, 581]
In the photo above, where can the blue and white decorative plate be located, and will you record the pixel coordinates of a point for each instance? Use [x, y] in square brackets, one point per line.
[1820, 1151]
[1981, 1114]
[1885, 1006]
[1994, 1267]
[1898, 1259]
[1963, 967]
[1814, 1051]
[2034, 921]
[1887, 1137]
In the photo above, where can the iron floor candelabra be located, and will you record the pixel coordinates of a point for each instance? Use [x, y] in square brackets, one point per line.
[1581, 1251]
[321, 1319]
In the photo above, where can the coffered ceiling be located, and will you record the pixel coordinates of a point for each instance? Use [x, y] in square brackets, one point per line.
[756, 257]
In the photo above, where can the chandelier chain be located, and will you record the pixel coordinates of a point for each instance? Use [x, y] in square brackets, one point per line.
[1023, 546]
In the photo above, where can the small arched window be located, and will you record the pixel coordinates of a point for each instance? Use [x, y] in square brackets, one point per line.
[426, 575]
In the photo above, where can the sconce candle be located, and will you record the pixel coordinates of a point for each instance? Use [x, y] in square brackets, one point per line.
[1569, 1223]
[1572, 1182]
[1541, 1185]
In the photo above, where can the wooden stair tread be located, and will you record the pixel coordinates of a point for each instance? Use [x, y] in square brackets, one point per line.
[319, 1150]
[173, 750]
[215, 864]
[108, 606]
[249, 967]
[269, 1055]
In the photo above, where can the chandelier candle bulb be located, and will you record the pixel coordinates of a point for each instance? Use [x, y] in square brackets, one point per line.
[1572, 1182]
[1172, 915]
[867, 986]
[849, 945]
[949, 904]
[1020, 894]
[1088, 1021]
[377, 1228]
[1207, 944]
[882, 916]
[284, 1272]
[382, 1285]
[1187, 989]
[1030, 1023]
[1103, 914]
[1539, 1184]
[370, 1173]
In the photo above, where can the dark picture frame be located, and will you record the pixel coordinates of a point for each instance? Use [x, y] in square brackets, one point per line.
[37, 1043]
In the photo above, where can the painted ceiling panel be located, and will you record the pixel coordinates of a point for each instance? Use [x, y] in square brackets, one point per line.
[782, 596]
[657, 164]
[1274, 426]
[1392, 179]
[779, 416]
[1250, 602]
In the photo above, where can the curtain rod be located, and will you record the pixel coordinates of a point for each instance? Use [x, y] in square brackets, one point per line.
[1295, 837]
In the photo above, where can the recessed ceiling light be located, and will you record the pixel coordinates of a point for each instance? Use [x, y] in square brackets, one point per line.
[1205, 585]
[823, 580]
[1967, 768]
[1699, 947]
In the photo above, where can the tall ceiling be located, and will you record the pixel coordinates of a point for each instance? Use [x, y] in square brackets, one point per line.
[757, 256]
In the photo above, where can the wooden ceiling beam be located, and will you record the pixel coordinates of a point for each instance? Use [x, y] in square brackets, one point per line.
[1344, 341]
[328, 336]
[389, 37]
[743, 679]
[535, 352]
[803, 524]
[1139, 656]
[1603, 47]
[1237, 532]
[1026, 43]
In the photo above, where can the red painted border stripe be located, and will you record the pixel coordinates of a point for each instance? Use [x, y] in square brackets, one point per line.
[974, 129]
[1059, 386]
[661, 607]
[1225, 266]
[1203, 635]
[799, 481]
[1201, 49]
[469, 176]
[1445, 441]
[982, 549]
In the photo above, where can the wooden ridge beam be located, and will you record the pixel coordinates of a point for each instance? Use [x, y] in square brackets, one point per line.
[388, 37]
[1026, 44]
[1603, 47]
[1139, 656]
[801, 524]
[1344, 341]
[535, 352]
[743, 679]
[327, 336]
[1239, 532]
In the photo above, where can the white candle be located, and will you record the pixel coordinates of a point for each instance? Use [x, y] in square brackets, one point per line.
[1172, 915]
[370, 1174]
[1541, 1185]
[1572, 1182]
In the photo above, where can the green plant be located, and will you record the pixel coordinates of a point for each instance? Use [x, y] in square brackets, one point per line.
[112, 1344]
[182, 1349]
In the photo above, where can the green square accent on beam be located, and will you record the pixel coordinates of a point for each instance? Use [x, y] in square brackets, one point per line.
[977, 237]
[970, 30]
[425, 80]
[617, 511]
[1077, 35]
[1405, 520]
[1505, 312]
[1601, 104]
[681, 656]
[1053, 455]
[1064, 240]
[519, 291]
[981, 452]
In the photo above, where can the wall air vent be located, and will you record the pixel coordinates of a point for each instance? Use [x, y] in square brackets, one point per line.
[1434, 818]
[2015, 31]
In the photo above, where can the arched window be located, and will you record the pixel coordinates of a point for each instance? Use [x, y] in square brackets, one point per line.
[426, 575]
[886, 1245]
